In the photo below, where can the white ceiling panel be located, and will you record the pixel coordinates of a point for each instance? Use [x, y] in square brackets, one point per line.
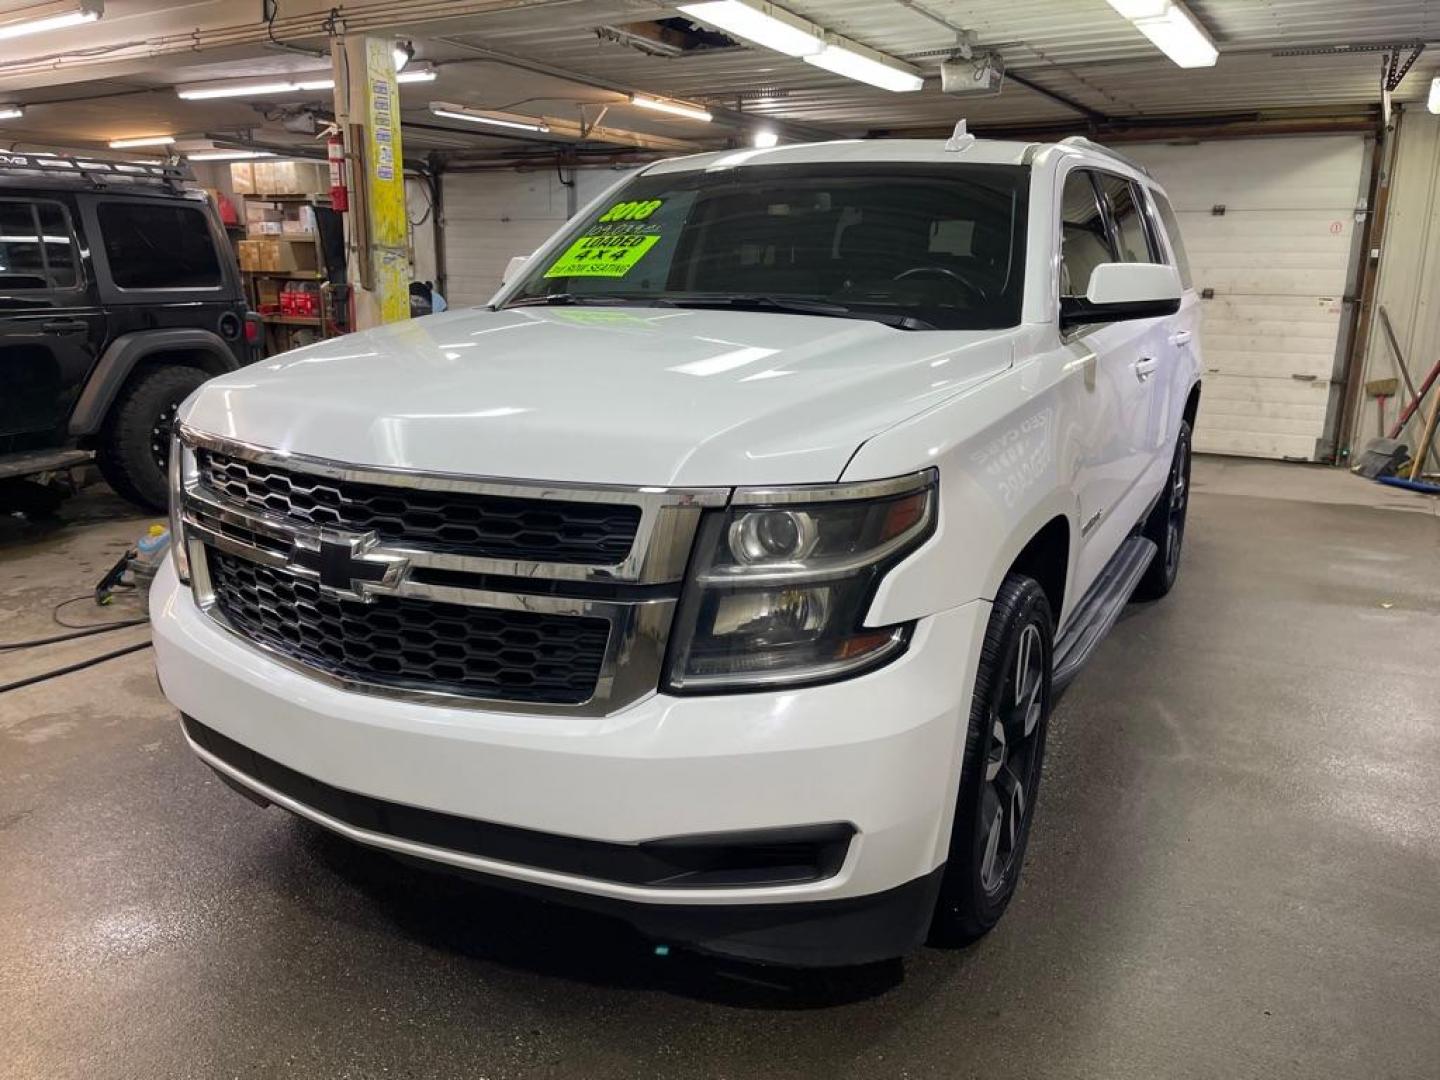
[546, 56]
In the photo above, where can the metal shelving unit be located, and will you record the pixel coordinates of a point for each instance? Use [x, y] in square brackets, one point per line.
[281, 329]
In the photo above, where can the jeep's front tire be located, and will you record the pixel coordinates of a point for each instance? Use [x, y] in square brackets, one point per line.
[1004, 750]
[134, 446]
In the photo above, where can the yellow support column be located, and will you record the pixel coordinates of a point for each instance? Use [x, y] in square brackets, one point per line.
[367, 108]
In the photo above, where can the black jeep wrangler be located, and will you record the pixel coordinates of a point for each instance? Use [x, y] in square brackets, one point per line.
[119, 295]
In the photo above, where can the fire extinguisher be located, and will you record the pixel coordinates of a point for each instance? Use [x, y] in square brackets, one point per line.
[335, 155]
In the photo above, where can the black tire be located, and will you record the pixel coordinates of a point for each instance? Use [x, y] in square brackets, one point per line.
[1166, 524]
[134, 446]
[1004, 751]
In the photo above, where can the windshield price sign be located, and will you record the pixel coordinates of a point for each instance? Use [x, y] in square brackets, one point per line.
[614, 244]
[632, 211]
[602, 256]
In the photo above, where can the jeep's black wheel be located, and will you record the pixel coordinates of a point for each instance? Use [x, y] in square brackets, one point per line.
[1166, 524]
[134, 448]
[1004, 748]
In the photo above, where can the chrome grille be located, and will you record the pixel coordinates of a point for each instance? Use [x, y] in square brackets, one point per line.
[416, 610]
[548, 530]
[413, 644]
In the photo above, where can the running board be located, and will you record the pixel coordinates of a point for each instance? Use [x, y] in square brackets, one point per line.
[30, 462]
[1100, 608]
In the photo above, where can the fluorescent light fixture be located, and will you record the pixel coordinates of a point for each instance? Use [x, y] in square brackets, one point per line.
[1180, 37]
[1172, 29]
[11, 112]
[207, 91]
[765, 138]
[1140, 9]
[867, 66]
[1434, 103]
[63, 15]
[146, 140]
[760, 24]
[491, 117]
[234, 89]
[227, 155]
[674, 108]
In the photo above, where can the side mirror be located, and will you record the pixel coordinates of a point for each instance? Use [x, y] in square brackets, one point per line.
[514, 268]
[1120, 291]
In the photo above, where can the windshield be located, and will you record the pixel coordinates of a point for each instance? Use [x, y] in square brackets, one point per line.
[917, 246]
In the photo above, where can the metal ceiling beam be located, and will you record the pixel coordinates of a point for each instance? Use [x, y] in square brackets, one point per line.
[1094, 115]
[796, 130]
[1178, 127]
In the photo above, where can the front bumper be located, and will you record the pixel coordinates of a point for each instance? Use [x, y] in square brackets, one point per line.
[880, 753]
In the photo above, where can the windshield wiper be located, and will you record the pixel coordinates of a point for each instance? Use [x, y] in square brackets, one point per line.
[744, 302]
[565, 299]
[797, 306]
[734, 302]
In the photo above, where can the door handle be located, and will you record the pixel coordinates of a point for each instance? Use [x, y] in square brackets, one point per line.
[64, 326]
[1180, 337]
[1144, 368]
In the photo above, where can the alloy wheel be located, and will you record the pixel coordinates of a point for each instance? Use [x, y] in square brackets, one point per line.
[1011, 759]
[1179, 498]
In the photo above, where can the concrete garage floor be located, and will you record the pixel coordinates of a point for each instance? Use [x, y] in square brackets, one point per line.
[1236, 868]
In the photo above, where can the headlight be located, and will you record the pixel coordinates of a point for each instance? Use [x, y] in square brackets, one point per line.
[779, 589]
[181, 472]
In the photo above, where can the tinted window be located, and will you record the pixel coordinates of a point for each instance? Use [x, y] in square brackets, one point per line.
[943, 245]
[1172, 230]
[36, 249]
[58, 245]
[1084, 239]
[159, 246]
[1129, 222]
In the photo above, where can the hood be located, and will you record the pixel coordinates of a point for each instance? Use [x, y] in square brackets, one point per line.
[601, 395]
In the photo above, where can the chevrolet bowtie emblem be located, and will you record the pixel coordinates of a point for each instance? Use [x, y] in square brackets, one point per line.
[346, 565]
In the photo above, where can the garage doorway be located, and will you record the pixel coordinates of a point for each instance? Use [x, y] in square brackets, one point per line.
[1270, 225]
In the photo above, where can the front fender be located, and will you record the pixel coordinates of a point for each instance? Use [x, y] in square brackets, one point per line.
[126, 351]
[1006, 469]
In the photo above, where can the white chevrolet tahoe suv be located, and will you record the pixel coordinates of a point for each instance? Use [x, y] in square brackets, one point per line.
[720, 573]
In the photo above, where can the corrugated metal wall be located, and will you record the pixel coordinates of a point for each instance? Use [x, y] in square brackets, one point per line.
[1409, 284]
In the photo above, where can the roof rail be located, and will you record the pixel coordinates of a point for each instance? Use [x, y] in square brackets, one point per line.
[97, 171]
[1080, 142]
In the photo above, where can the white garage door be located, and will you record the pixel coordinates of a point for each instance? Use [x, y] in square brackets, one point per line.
[492, 216]
[1278, 259]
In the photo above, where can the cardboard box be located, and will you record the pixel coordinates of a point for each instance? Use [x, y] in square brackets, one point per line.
[291, 177]
[242, 177]
[264, 177]
[264, 228]
[267, 294]
[309, 177]
[278, 255]
[250, 255]
[258, 211]
[284, 255]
